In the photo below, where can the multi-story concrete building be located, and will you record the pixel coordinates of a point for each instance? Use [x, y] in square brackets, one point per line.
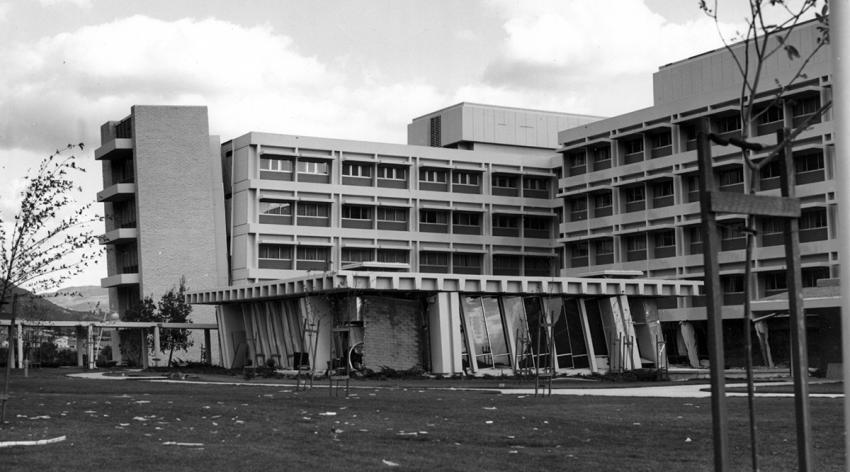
[315, 204]
[452, 237]
[163, 207]
[631, 194]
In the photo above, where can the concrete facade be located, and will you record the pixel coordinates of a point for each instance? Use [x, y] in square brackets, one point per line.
[630, 186]
[164, 209]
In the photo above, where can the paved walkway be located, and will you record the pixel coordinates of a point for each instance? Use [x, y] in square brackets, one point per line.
[688, 390]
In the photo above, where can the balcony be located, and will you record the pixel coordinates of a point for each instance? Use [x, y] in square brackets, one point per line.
[118, 148]
[117, 192]
[119, 280]
[120, 236]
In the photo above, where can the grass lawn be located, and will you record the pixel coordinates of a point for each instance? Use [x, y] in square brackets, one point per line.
[133, 425]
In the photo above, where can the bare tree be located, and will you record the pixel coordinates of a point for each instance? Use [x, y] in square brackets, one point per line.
[49, 239]
[751, 50]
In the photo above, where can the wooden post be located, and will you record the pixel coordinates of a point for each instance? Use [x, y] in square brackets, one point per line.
[799, 355]
[19, 342]
[714, 301]
[90, 346]
[208, 345]
[157, 355]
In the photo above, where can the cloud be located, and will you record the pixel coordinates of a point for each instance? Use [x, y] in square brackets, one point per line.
[579, 47]
[77, 3]
[63, 87]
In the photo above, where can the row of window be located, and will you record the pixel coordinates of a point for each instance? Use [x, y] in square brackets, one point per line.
[808, 167]
[401, 215]
[813, 225]
[768, 119]
[392, 172]
[429, 261]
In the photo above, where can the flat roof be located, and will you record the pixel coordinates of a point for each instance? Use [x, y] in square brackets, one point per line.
[504, 107]
[344, 281]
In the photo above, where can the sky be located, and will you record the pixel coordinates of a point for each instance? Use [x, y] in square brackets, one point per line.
[351, 69]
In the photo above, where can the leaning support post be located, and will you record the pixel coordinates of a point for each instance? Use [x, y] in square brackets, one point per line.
[799, 355]
[714, 302]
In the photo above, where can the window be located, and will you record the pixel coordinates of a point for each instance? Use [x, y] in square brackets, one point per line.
[601, 154]
[504, 181]
[732, 283]
[393, 214]
[602, 200]
[434, 259]
[661, 140]
[275, 251]
[356, 254]
[392, 172]
[633, 146]
[433, 175]
[775, 281]
[813, 219]
[604, 247]
[276, 164]
[771, 226]
[665, 239]
[313, 167]
[353, 169]
[506, 263]
[634, 194]
[771, 170]
[663, 189]
[772, 114]
[732, 231]
[578, 204]
[397, 256]
[505, 221]
[534, 183]
[436, 134]
[805, 106]
[728, 124]
[810, 275]
[466, 219]
[467, 260]
[636, 243]
[465, 178]
[356, 212]
[808, 163]
[577, 159]
[579, 250]
[276, 208]
[317, 210]
[729, 177]
[537, 224]
[311, 253]
[434, 217]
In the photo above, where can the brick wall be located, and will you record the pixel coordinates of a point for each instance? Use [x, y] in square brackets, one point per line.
[392, 335]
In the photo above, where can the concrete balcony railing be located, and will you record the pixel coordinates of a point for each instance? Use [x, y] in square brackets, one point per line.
[118, 280]
[120, 236]
[118, 148]
[117, 192]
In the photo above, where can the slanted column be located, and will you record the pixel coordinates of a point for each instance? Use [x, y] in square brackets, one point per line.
[90, 346]
[78, 333]
[444, 324]
[144, 348]
[208, 345]
[157, 355]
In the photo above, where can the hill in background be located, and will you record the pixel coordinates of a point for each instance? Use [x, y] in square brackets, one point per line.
[44, 308]
[83, 298]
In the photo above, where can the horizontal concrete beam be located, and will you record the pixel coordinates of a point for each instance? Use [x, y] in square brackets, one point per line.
[395, 281]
